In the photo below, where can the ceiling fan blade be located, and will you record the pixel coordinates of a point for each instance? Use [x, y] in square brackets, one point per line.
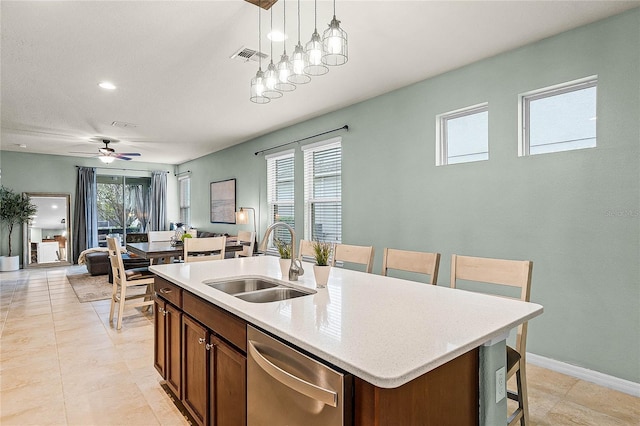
[131, 154]
[122, 158]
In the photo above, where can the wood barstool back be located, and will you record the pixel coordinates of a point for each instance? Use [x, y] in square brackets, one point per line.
[202, 249]
[353, 254]
[412, 261]
[514, 273]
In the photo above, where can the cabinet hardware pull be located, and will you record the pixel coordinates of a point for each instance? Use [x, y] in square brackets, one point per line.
[201, 340]
[208, 346]
[165, 290]
[311, 390]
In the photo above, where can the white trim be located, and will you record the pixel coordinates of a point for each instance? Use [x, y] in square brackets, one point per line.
[336, 140]
[611, 382]
[442, 157]
[280, 154]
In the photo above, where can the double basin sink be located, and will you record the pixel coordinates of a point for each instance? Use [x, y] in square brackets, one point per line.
[258, 289]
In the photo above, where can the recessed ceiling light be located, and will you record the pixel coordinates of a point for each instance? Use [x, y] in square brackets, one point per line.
[54, 206]
[107, 85]
[276, 35]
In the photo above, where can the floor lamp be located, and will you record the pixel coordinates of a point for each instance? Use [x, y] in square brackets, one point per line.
[242, 218]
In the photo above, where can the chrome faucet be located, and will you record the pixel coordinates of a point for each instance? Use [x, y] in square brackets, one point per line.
[295, 270]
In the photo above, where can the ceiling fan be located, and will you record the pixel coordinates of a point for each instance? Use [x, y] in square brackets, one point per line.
[108, 155]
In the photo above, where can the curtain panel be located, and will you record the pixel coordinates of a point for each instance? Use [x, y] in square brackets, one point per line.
[158, 201]
[85, 213]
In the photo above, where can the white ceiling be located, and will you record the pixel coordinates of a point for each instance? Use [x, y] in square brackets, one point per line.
[177, 83]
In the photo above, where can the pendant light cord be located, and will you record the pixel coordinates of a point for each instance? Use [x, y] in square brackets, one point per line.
[298, 21]
[315, 13]
[259, 33]
[271, 39]
[284, 27]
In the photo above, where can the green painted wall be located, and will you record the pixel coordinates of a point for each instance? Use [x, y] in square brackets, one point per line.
[24, 172]
[575, 214]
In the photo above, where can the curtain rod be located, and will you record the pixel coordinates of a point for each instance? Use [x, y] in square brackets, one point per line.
[345, 127]
[182, 173]
[127, 170]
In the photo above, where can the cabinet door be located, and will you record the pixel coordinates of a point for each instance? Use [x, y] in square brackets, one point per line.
[228, 385]
[195, 361]
[159, 333]
[173, 362]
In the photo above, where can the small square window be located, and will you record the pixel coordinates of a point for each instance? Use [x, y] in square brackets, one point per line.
[559, 118]
[463, 135]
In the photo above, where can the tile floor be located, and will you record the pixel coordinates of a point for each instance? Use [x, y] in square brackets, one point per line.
[61, 362]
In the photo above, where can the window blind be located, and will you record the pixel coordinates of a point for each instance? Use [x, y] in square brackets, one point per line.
[281, 192]
[323, 191]
[184, 184]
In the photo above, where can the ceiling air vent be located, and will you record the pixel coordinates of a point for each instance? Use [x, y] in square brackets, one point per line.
[123, 124]
[246, 54]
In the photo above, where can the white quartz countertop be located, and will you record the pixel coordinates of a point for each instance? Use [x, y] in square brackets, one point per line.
[384, 330]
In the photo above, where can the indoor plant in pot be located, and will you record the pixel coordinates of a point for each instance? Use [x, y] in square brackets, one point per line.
[284, 249]
[15, 209]
[321, 270]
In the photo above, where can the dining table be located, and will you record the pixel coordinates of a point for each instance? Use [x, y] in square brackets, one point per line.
[164, 250]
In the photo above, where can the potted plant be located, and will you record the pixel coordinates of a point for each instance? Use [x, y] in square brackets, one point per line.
[15, 209]
[321, 270]
[284, 249]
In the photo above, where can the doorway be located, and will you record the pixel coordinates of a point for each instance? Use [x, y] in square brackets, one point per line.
[123, 206]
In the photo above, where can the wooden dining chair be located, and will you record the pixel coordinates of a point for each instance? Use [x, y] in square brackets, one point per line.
[411, 261]
[202, 249]
[353, 254]
[125, 280]
[514, 273]
[156, 236]
[248, 241]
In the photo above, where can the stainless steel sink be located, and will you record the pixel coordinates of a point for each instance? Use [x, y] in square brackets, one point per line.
[272, 295]
[258, 289]
[243, 285]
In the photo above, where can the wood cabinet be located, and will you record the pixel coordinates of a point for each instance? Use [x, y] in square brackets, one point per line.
[200, 351]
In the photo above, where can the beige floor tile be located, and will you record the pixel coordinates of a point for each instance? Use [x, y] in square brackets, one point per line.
[607, 401]
[87, 380]
[27, 358]
[17, 400]
[28, 375]
[569, 413]
[46, 414]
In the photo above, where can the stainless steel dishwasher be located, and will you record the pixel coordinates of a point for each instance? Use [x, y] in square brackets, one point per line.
[286, 387]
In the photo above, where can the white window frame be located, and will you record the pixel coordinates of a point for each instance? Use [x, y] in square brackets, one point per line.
[271, 188]
[308, 182]
[184, 201]
[442, 157]
[524, 100]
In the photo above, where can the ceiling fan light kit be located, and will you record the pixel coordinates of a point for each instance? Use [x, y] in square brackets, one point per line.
[313, 60]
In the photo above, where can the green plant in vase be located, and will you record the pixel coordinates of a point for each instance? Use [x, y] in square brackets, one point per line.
[284, 248]
[15, 209]
[322, 253]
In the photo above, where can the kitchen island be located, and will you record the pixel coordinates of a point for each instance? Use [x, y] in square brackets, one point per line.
[389, 333]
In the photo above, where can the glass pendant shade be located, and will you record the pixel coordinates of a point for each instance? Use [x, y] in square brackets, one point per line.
[298, 63]
[106, 159]
[270, 80]
[334, 40]
[314, 51]
[284, 69]
[257, 89]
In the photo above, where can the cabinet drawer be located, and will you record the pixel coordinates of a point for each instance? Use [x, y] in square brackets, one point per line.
[224, 324]
[168, 291]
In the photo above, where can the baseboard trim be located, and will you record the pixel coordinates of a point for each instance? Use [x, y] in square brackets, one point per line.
[611, 382]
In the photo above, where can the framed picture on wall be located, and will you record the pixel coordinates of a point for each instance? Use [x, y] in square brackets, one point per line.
[223, 201]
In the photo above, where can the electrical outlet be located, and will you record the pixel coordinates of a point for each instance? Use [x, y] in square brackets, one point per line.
[501, 386]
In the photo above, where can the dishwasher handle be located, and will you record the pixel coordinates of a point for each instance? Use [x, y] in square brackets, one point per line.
[318, 393]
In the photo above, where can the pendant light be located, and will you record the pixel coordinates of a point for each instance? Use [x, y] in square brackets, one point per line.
[299, 60]
[271, 76]
[314, 49]
[284, 66]
[257, 82]
[334, 40]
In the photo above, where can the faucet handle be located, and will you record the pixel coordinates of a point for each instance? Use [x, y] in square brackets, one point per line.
[295, 270]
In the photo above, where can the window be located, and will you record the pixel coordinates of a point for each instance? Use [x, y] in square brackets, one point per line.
[559, 118]
[123, 206]
[323, 191]
[463, 135]
[280, 192]
[184, 187]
